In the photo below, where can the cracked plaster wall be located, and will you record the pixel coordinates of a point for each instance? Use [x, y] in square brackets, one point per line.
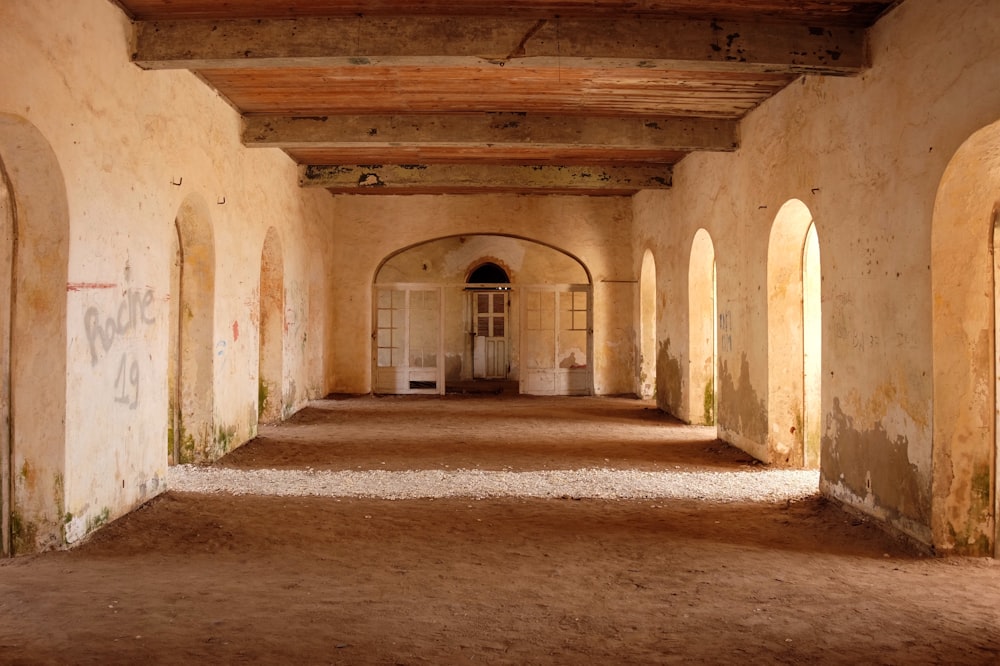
[866, 154]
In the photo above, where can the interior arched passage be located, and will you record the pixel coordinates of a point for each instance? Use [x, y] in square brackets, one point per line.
[701, 330]
[964, 284]
[426, 319]
[34, 296]
[812, 350]
[192, 402]
[647, 326]
[270, 399]
[785, 334]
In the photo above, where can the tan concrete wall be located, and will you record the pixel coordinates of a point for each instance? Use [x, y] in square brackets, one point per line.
[131, 149]
[594, 230]
[866, 155]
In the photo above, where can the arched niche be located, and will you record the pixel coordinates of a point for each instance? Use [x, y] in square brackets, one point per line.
[427, 316]
[33, 296]
[792, 242]
[647, 326]
[964, 284]
[192, 315]
[702, 380]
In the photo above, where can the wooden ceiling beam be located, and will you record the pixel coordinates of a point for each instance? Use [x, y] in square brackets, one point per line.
[493, 130]
[412, 179]
[630, 42]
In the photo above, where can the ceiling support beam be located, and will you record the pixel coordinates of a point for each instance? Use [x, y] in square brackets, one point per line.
[493, 130]
[419, 179]
[629, 42]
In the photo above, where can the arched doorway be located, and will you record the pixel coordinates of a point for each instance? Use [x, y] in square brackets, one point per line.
[33, 449]
[190, 375]
[812, 349]
[793, 293]
[702, 374]
[425, 324]
[270, 398]
[6, 303]
[489, 288]
[964, 278]
[647, 327]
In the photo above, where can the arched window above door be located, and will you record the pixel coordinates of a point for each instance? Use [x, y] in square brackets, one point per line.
[488, 273]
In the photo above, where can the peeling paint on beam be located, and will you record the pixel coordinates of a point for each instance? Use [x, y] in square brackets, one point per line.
[651, 43]
[396, 179]
[495, 129]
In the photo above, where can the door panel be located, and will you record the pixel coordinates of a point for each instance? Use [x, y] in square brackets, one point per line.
[556, 341]
[408, 340]
[490, 330]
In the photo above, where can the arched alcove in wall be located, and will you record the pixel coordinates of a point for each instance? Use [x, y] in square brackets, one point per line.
[812, 350]
[192, 315]
[647, 326]
[964, 287]
[6, 301]
[702, 377]
[793, 242]
[33, 280]
[427, 317]
[270, 399]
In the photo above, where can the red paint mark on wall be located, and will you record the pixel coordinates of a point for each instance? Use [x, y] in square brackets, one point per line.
[82, 286]
[236, 331]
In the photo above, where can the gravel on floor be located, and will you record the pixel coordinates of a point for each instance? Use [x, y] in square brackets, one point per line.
[597, 483]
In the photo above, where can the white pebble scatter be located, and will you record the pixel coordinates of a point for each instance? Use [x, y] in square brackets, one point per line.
[596, 483]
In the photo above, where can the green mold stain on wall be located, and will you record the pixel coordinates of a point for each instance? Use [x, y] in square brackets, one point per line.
[98, 521]
[709, 415]
[224, 439]
[262, 392]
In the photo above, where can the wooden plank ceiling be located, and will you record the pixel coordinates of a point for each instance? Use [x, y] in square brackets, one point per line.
[596, 97]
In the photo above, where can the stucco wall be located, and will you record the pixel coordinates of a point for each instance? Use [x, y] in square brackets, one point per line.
[595, 230]
[866, 155]
[133, 148]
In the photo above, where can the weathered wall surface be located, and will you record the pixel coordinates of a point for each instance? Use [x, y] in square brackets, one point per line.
[132, 149]
[866, 155]
[595, 230]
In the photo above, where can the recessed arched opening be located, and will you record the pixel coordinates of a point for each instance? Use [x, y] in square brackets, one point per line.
[317, 326]
[270, 399]
[32, 449]
[964, 278]
[788, 302]
[191, 403]
[436, 323]
[6, 303]
[647, 327]
[812, 350]
[702, 377]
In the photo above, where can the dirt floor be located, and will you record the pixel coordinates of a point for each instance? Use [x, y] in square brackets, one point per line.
[193, 579]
